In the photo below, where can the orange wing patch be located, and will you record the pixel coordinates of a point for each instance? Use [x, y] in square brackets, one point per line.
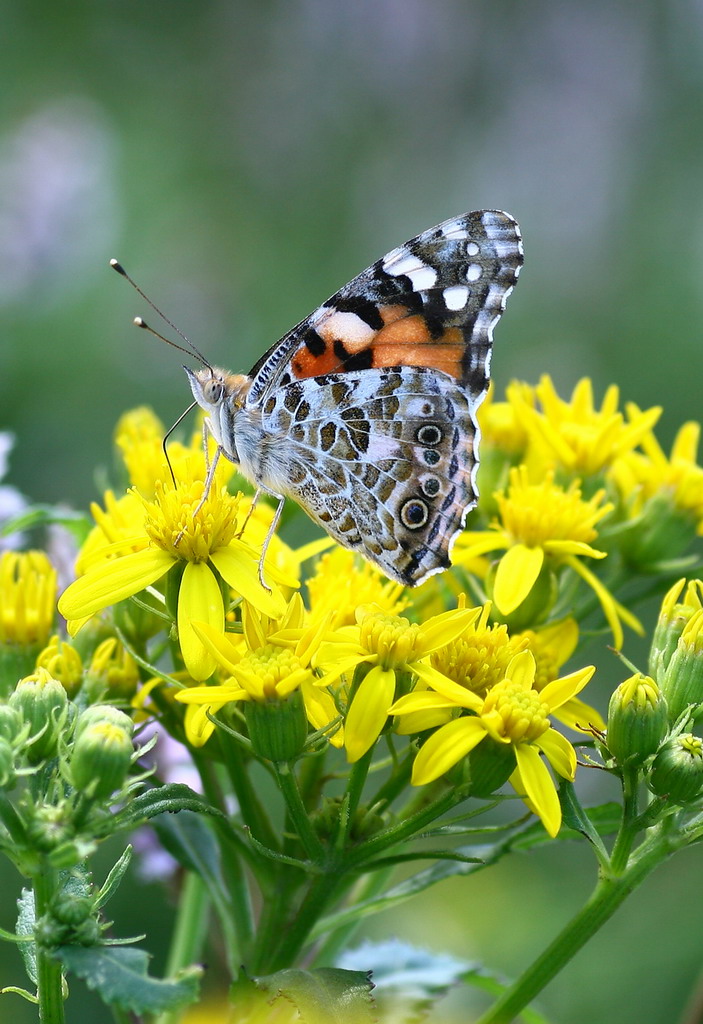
[344, 341]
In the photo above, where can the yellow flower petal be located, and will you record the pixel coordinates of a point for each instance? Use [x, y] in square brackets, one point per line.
[539, 786]
[369, 711]
[559, 691]
[559, 752]
[113, 581]
[452, 691]
[199, 598]
[578, 715]
[443, 628]
[446, 747]
[517, 573]
[242, 573]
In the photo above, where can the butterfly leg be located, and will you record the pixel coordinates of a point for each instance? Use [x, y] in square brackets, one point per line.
[269, 535]
[254, 500]
[206, 487]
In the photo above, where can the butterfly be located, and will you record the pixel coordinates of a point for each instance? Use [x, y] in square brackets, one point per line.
[365, 412]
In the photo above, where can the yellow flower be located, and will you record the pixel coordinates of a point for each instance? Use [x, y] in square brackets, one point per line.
[552, 647]
[115, 668]
[503, 424]
[62, 662]
[269, 663]
[640, 477]
[476, 659]
[387, 645]
[27, 598]
[205, 547]
[580, 438]
[343, 581]
[512, 712]
[543, 524]
[139, 438]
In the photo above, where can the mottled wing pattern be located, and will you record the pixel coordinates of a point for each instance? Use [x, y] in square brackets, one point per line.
[374, 395]
[384, 460]
[431, 302]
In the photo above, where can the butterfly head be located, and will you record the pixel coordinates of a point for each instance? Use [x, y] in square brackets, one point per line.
[222, 396]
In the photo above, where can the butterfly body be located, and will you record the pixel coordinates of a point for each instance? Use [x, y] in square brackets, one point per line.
[365, 413]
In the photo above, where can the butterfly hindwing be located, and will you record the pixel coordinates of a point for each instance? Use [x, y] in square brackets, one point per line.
[384, 460]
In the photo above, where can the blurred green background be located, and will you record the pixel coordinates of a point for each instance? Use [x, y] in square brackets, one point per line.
[245, 159]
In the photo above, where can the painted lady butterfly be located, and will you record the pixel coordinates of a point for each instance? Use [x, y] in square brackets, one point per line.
[365, 413]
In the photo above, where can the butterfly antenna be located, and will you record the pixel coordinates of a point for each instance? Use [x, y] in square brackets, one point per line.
[191, 350]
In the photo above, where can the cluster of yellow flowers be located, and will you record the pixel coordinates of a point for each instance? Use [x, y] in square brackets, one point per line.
[575, 502]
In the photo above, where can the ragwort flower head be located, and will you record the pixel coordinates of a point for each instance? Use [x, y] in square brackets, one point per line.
[543, 526]
[269, 663]
[580, 439]
[181, 532]
[512, 713]
[386, 649]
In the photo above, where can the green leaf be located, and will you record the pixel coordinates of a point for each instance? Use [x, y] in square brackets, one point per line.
[119, 975]
[171, 798]
[114, 878]
[325, 995]
[25, 926]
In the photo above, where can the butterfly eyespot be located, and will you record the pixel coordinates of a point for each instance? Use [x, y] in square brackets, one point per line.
[430, 486]
[431, 457]
[429, 434]
[414, 514]
[213, 391]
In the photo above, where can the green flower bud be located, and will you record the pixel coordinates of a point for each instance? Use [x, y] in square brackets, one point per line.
[71, 909]
[637, 720]
[677, 772]
[102, 754]
[50, 933]
[7, 765]
[682, 684]
[49, 827]
[10, 722]
[103, 713]
[277, 728]
[675, 613]
[42, 702]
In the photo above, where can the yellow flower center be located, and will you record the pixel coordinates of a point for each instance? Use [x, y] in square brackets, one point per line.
[392, 637]
[171, 522]
[261, 671]
[534, 514]
[480, 658]
[521, 714]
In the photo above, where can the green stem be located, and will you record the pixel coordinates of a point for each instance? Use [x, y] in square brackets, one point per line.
[630, 811]
[607, 896]
[49, 973]
[189, 934]
[321, 892]
[288, 784]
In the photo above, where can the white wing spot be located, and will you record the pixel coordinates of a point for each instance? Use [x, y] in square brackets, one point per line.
[456, 297]
[455, 229]
[474, 272]
[354, 332]
[400, 261]
[423, 277]
[472, 248]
